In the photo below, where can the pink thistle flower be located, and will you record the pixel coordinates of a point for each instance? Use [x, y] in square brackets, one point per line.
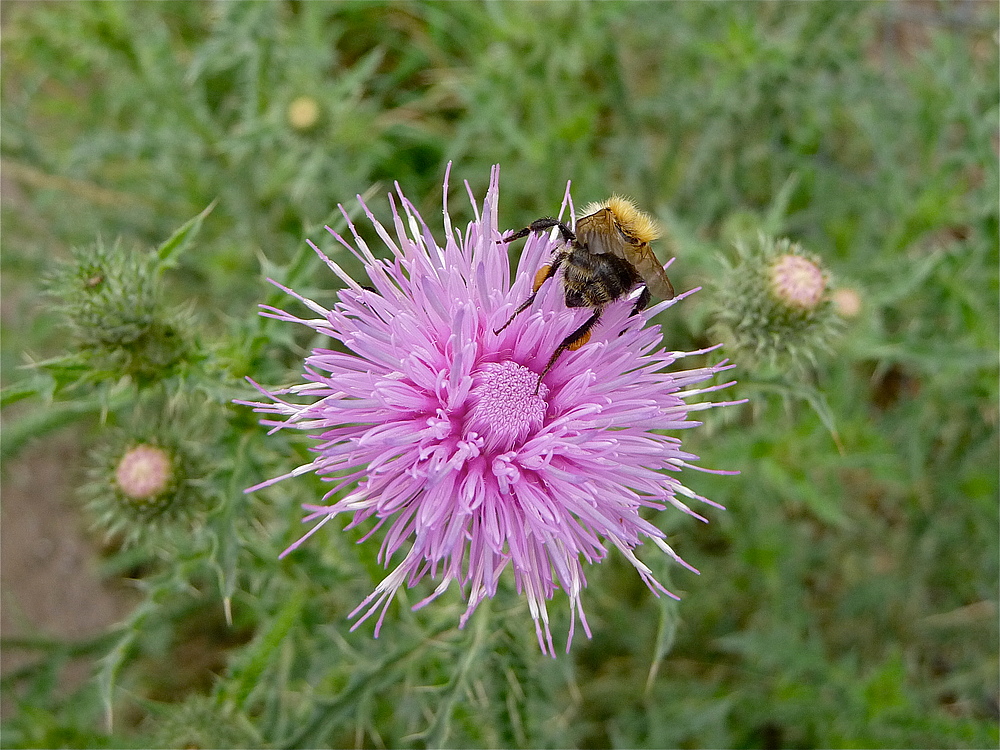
[432, 426]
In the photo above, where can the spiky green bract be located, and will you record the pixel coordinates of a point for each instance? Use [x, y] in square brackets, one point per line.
[110, 299]
[761, 320]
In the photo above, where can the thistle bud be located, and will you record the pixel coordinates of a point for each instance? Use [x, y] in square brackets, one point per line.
[110, 300]
[145, 489]
[772, 305]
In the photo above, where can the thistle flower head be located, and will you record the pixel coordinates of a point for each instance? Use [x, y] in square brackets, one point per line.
[428, 424]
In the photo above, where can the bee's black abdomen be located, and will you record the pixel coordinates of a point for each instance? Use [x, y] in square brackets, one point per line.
[595, 280]
[575, 299]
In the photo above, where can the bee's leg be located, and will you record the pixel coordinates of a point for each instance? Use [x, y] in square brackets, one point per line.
[540, 225]
[640, 304]
[544, 274]
[574, 341]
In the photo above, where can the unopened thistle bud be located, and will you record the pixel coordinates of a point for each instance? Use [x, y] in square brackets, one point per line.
[773, 305]
[144, 489]
[110, 300]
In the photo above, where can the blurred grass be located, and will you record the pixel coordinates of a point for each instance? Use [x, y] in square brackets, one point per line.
[847, 598]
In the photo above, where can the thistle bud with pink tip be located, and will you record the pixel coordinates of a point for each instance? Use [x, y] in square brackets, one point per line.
[773, 304]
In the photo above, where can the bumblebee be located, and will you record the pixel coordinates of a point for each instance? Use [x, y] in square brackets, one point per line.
[605, 259]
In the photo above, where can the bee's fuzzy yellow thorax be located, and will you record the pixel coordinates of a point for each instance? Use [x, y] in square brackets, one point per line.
[634, 222]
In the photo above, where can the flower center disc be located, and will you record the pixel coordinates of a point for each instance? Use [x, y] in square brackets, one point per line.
[505, 408]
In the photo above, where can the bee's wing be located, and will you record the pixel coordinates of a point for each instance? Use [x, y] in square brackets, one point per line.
[648, 266]
[599, 233]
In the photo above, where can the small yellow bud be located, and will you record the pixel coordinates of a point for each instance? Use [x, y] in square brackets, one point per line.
[303, 112]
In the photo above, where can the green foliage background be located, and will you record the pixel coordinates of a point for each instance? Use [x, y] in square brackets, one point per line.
[848, 596]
